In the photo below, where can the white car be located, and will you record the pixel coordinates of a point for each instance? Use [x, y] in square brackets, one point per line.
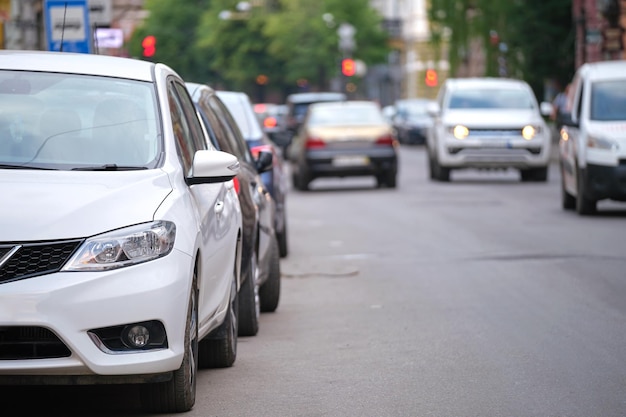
[592, 145]
[488, 123]
[119, 228]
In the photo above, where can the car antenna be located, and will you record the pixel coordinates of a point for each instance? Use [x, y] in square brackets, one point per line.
[63, 27]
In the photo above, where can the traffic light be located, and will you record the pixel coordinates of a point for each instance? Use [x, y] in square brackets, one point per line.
[431, 78]
[149, 46]
[347, 67]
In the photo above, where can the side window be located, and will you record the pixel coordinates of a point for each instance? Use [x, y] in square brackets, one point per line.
[572, 93]
[195, 128]
[581, 96]
[236, 142]
[209, 125]
[186, 143]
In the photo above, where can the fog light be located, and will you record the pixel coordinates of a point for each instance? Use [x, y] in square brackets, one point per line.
[136, 336]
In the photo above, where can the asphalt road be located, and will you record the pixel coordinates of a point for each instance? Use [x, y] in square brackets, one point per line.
[479, 297]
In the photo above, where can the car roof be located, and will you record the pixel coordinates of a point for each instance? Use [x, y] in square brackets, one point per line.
[342, 104]
[245, 116]
[195, 88]
[314, 97]
[604, 70]
[486, 82]
[75, 63]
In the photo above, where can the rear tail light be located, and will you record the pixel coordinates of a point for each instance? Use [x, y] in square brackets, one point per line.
[236, 185]
[314, 143]
[269, 122]
[260, 148]
[386, 141]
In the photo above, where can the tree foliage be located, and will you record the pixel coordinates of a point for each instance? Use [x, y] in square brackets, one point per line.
[173, 24]
[533, 39]
[285, 40]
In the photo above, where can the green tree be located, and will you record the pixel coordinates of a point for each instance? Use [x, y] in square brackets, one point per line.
[514, 35]
[288, 40]
[238, 46]
[174, 23]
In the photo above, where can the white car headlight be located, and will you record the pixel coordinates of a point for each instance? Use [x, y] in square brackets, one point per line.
[601, 143]
[459, 131]
[124, 247]
[529, 132]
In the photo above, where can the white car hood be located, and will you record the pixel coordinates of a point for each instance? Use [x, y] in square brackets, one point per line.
[491, 119]
[44, 205]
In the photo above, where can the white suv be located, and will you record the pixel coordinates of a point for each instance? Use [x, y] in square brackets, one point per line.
[488, 123]
[592, 146]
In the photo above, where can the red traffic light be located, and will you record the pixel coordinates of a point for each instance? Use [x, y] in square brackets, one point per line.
[431, 78]
[348, 67]
[149, 46]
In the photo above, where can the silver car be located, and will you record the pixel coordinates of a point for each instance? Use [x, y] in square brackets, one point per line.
[488, 123]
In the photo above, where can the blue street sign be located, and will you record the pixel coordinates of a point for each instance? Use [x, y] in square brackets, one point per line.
[67, 26]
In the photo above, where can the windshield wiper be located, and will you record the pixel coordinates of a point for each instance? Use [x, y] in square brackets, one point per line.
[9, 166]
[109, 167]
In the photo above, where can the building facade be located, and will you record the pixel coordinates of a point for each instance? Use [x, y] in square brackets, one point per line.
[412, 55]
[22, 21]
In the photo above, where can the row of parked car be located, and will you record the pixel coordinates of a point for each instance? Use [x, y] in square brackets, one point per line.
[143, 222]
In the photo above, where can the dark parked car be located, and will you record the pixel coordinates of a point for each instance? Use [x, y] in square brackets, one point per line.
[260, 255]
[349, 138]
[275, 179]
[298, 104]
[412, 121]
[273, 120]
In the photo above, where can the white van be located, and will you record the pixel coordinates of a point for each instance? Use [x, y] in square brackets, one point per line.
[592, 144]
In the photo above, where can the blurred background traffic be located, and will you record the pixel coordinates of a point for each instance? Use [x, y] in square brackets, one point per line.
[383, 50]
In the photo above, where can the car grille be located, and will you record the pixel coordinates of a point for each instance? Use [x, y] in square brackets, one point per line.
[27, 260]
[495, 132]
[30, 343]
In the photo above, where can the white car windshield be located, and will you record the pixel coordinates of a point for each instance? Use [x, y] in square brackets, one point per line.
[608, 100]
[491, 99]
[65, 121]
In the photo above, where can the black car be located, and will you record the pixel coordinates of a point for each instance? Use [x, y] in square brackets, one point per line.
[275, 179]
[260, 288]
[412, 121]
[298, 104]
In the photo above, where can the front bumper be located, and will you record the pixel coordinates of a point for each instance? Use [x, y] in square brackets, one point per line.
[494, 153]
[605, 182]
[70, 304]
[351, 162]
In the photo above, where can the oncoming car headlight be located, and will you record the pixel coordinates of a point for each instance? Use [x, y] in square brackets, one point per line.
[124, 247]
[529, 132]
[459, 131]
[601, 143]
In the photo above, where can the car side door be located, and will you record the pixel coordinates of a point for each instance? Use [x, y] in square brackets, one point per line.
[214, 206]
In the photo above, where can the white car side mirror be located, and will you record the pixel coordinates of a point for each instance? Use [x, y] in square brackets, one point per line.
[546, 108]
